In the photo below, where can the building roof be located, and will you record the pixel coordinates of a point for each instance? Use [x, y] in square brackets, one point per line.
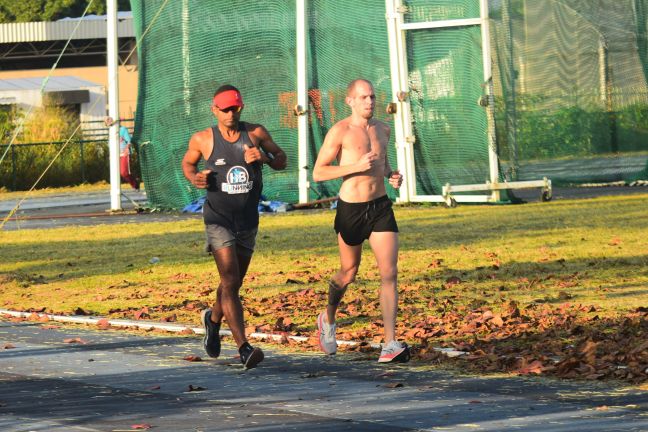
[120, 16]
[55, 83]
[91, 27]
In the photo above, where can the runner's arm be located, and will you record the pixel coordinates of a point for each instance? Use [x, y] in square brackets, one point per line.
[324, 168]
[394, 177]
[190, 163]
[273, 155]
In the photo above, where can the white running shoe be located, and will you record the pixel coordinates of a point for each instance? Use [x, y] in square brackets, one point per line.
[394, 352]
[326, 335]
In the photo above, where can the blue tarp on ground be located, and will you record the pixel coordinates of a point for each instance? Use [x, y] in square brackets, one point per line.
[264, 206]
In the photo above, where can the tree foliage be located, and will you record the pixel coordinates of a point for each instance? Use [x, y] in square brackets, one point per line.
[51, 10]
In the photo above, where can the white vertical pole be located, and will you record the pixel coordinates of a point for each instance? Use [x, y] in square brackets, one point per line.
[302, 101]
[410, 170]
[399, 136]
[603, 79]
[399, 76]
[488, 80]
[186, 71]
[113, 105]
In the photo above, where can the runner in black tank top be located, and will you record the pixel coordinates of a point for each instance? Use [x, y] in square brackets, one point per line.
[234, 153]
[234, 186]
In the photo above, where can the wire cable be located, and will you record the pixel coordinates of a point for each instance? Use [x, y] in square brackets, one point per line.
[17, 206]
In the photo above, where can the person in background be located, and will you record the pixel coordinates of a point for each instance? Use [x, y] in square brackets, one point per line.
[124, 154]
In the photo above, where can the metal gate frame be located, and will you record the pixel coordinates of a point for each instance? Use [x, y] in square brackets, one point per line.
[403, 130]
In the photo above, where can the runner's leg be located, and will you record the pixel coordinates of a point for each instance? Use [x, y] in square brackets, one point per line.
[385, 249]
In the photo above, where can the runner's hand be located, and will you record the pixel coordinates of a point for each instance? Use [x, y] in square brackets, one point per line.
[367, 161]
[395, 179]
[200, 179]
[252, 154]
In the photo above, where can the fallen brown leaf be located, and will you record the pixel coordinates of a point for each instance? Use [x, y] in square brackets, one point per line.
[142, 313]
[191, 388]
[75, 340]
[535, 367]
[103, 324]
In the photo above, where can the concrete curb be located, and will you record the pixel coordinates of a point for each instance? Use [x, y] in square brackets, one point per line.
[179, 328]
[149, 325]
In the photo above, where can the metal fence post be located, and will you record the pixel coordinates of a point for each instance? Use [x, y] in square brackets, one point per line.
[13, 168]
[83, 179]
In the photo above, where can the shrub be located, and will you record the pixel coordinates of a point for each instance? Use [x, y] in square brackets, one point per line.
[41, 138]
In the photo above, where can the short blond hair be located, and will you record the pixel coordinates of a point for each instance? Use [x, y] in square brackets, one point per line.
[352, 85]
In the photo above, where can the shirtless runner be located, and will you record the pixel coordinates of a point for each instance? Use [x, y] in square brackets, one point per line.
[359, 146]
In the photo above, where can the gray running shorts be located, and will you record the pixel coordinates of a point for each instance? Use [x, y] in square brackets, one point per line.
[219, 237]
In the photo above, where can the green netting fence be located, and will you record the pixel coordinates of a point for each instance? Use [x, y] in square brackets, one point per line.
[571, 85]
[446, 73]
[192, 48]
[569, 79]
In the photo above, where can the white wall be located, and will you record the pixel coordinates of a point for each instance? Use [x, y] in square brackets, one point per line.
[23, 99]
[95, 109]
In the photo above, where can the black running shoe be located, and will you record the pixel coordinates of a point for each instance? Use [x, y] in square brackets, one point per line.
[211, 341]
[250, 356]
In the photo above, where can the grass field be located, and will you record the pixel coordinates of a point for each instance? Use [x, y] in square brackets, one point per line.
[520, 288]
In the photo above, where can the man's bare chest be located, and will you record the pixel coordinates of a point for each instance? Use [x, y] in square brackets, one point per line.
[361, 141]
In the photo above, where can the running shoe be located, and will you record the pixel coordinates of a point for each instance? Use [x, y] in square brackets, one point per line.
[326, 335]
[394, 352]
[211, 341]
[250, 356]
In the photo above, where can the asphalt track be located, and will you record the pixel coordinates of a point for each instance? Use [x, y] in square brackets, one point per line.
[113, 381]
[84, 209]
[93, 208]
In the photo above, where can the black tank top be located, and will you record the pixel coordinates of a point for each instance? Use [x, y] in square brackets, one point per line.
[234, 186]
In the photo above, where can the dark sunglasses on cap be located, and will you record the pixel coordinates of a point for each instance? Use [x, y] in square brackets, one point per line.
[234, 109]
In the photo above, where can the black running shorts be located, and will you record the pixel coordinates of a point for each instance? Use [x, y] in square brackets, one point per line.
[356, 221]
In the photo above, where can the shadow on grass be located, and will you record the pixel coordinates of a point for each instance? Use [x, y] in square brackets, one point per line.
[311, 239]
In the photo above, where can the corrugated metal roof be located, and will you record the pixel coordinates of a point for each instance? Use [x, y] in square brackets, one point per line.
[90, 28]
[55, 83]
[120, 15]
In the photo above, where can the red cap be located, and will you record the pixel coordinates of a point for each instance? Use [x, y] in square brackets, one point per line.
[228, 98]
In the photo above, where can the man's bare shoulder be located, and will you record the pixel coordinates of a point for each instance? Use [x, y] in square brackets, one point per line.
[255, 128]
[201, 141]
[202, 135]
[382, 125]
[340, 127]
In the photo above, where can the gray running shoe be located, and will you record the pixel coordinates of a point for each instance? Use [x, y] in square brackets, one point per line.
[394, 352]
[326, 335]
